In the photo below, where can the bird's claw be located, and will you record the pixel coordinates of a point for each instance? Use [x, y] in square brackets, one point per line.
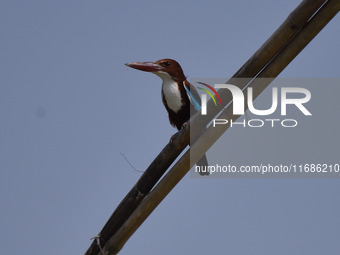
[184, 125]
[173, 137]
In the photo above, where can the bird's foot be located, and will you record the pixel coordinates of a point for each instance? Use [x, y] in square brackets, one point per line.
[184, 125]
[173, 137]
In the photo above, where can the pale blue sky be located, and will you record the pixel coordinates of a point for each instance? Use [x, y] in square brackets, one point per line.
[69, 106]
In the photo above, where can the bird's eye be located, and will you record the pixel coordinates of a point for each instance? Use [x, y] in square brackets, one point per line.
[167, 63]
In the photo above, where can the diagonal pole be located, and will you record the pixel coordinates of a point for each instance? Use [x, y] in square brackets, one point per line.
[126, 218]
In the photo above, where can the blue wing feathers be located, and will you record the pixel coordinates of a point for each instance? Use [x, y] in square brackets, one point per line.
[195, 101]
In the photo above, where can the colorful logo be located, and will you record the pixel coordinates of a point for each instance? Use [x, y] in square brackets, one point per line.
[209, 93]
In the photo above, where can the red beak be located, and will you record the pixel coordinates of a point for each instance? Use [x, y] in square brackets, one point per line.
[145, 66]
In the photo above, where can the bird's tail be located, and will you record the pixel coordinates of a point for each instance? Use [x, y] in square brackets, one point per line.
[203, 165]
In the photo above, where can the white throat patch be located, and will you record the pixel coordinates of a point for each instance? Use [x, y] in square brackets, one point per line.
[171, 92]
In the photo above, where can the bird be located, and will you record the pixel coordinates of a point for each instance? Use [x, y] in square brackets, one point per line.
[177, 94]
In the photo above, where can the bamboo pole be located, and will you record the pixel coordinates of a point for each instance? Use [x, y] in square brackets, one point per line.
[296, 20]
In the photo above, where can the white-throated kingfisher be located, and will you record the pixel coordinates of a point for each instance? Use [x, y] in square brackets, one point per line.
[177, 93]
